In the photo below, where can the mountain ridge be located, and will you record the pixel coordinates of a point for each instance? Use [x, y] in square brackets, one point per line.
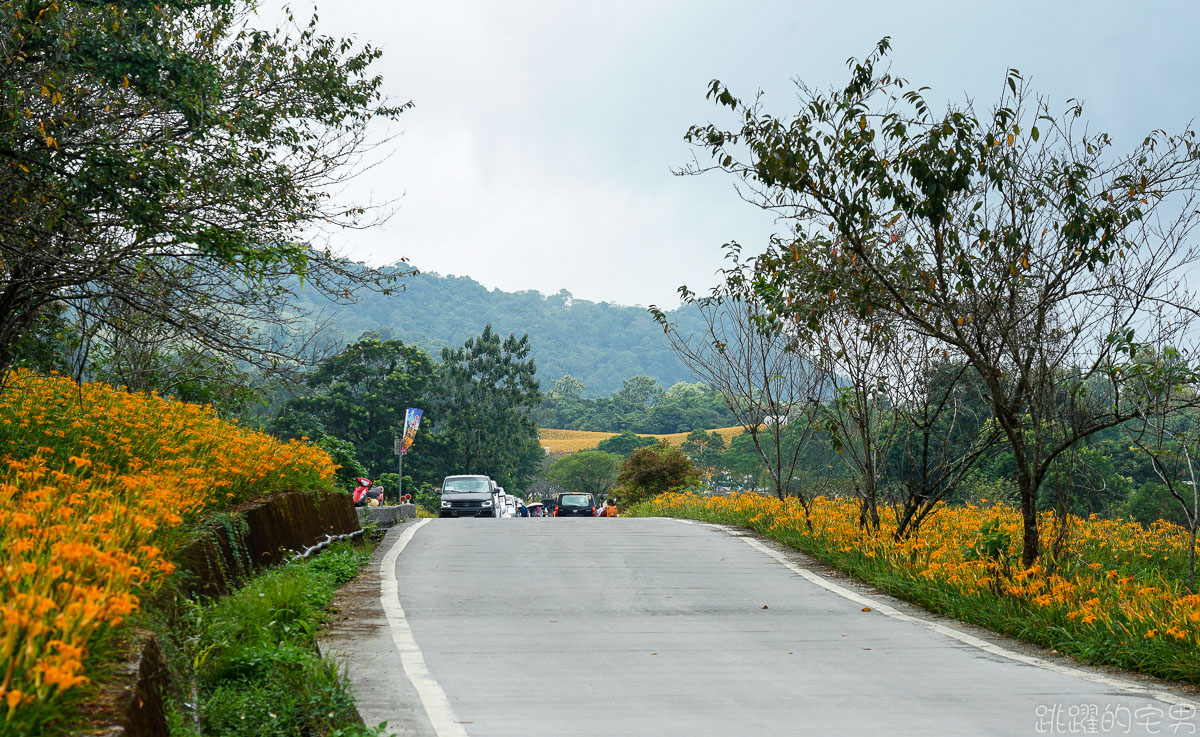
[599, 343]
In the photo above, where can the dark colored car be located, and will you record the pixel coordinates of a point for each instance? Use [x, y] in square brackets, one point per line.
[574, 505]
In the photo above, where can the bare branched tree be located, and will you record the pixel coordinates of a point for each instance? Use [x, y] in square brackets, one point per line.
[1167, 430]
[943, 430]
[770, 384]
[1016, 237]
[860, 416]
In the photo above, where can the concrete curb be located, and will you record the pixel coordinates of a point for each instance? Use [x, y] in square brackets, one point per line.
[359, 639]
[385, 518]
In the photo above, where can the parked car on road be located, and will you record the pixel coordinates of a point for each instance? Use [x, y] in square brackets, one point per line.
[508, 504]
[469, 496]
[574, 505]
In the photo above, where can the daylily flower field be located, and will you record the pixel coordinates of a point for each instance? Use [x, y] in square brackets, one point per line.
[96, 486]
[1116, 596]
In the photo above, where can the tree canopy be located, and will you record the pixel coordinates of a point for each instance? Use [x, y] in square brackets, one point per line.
[486, 395]
[1014, 239]
[653, 469]
[476, 403]
[639, 406]
[162, 163]
[591, 472]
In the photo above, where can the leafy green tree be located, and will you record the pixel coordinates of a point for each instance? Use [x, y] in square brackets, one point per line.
[1152, 502]
[483, 410]
[652, 470]
[624, 443]
[686, 406]
[1015, 238]
[563, 406]
[591, 472]
[637, 393]
[162, 160]
[567, 388]
[343, 454]
[704, 449]
[641, 406]
[51, 343]
[743, 463]
[360, 396]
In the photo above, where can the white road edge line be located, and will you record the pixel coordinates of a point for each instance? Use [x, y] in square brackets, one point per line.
[963, 637]
[433, 698]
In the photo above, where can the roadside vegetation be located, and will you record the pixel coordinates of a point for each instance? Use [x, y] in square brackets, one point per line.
[253, 657]
[969, 365]
[97, 487]
[1116, 596]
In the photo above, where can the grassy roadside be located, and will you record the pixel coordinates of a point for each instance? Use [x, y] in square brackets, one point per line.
[1114, 598]
[252, 658]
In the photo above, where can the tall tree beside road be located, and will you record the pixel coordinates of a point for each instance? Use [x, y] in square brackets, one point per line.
[360, 396]
[861, 416]
[653, 469]
[161, 162]
[1015, 238]
[591, 472]
[483, 410]
[1167, 430]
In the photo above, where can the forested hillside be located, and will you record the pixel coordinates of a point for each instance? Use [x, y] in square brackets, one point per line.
[600, 344]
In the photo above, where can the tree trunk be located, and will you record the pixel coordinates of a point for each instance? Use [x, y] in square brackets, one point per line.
[873, 502]
[903, 529]
[1192, 561]
[1027, 485]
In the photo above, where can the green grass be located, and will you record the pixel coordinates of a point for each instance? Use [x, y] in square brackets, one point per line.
[254, 658]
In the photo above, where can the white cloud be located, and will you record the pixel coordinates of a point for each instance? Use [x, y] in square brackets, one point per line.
[540, 150]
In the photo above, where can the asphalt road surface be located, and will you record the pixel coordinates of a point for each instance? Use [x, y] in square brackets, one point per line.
[561, 627]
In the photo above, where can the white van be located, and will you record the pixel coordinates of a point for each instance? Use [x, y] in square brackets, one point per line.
[470, 496]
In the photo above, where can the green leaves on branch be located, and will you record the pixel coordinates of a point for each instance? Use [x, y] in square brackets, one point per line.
[1011, 240]
[176, 137]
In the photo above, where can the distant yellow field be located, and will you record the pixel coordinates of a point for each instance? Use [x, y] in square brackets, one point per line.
[562, 441]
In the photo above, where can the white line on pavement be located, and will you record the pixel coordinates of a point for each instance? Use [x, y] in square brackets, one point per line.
[433, 698]
[994, 649]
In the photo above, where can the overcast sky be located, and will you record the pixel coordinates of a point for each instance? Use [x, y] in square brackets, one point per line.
[540, 150]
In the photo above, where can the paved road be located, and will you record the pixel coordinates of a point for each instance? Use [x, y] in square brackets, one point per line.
[529, 627]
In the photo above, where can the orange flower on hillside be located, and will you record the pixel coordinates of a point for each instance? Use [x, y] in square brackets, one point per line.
[94, 486]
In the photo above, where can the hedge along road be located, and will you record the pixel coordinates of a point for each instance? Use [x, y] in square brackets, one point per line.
[564, 627]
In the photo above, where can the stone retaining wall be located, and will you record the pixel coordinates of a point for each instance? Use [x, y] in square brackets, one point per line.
[130, 703]
[258, 533]
[385, 517]
[226, 552]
